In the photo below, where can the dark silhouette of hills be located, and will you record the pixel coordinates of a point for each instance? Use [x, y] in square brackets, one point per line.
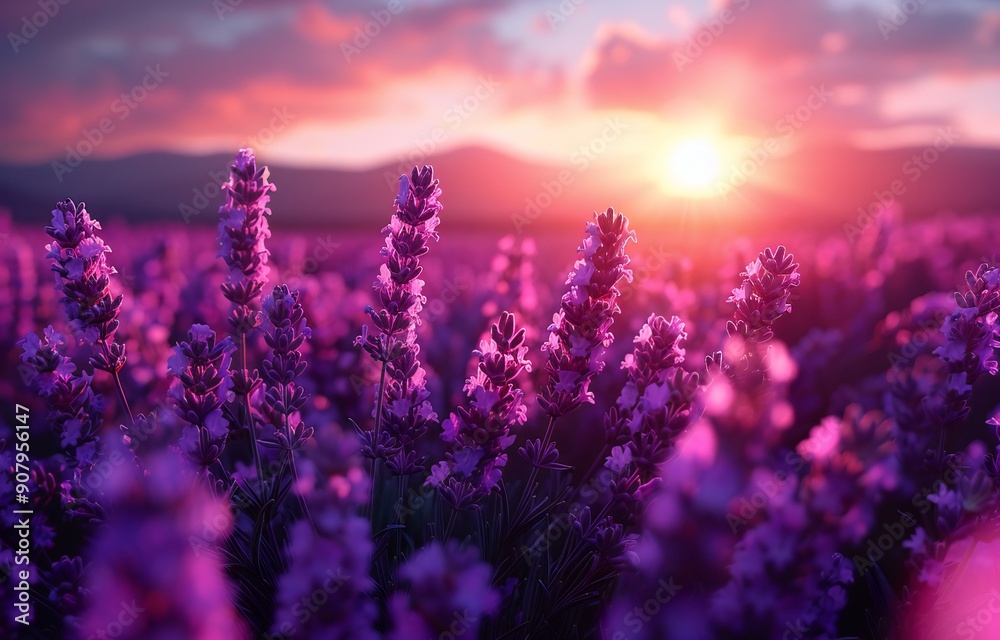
[485, 189]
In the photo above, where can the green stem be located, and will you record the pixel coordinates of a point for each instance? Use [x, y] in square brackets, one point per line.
[251, 427]
[532, 476]
[451, 524]
[379, 402]
[118, 383]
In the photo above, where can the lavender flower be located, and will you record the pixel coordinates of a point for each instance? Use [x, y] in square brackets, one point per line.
[326, 592]
[511, 286]
[200, 366]
[402, 393]
[581, 329]
[449, 594]
[785, 574]
[285, 331]
[68, 590]
[972, 338]
[76, 411]
[657, 402]
[480, 433]
[79, 258]
[83, 277]
[243, 228]
[786, 569]
[760, 300]
[152, 576]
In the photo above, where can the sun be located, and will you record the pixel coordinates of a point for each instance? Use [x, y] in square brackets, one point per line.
[692, 168]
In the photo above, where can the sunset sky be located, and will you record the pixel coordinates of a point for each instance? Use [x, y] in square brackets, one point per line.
[540, 80]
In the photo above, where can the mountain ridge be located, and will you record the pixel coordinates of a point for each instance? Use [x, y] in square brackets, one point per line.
[484, 188]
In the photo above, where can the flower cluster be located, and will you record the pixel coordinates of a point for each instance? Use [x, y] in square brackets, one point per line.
[786, 574]
[510, 284]
[326, 590]
[79, 259]
[449, 595]
[581, 329]
[760, 299]
[75, 410]
[403, 412]
[200, 366]
[285, 331]
[243, 228]
[656, 403]
[324, 593]
[479, 434]
[972, 338]
[155, 576]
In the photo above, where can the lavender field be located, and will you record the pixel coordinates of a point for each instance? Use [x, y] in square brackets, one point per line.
[242, 432]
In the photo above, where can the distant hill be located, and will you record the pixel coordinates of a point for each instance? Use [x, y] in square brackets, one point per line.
[486, 189]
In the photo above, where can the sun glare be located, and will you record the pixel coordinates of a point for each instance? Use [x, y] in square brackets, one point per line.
[692, 168]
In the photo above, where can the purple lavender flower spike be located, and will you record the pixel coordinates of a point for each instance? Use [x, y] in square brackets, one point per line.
[760, 300]
[243, 228]
[972, 336]
[285, 331]
[657, 402]
[581, 330]
[79, 258]
[83, 277]
[153, 566]
[403, 413]
[449, 595]
[76, 411]
[200, 366]
[480, 432]
[972, 340]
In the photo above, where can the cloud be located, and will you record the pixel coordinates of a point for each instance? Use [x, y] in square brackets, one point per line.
[352, 64]
[757, 59]
[227, 74]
